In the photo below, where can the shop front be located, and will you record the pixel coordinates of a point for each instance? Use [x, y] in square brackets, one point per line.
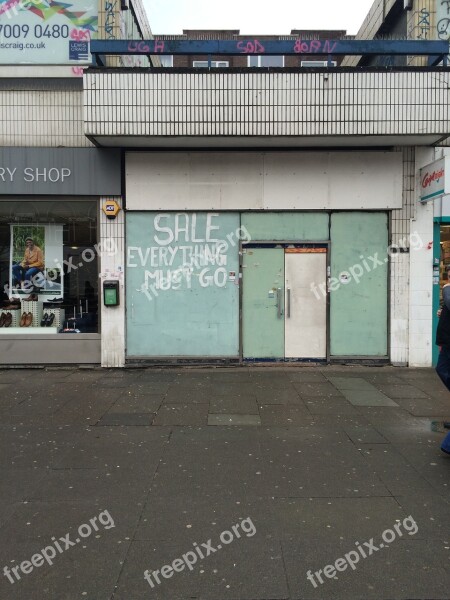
[51, 252]
[441, 258]
[259, 256]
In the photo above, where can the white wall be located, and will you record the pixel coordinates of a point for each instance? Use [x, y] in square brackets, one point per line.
[42, 117]
[112, 266]
[263, 181]
[421, 275]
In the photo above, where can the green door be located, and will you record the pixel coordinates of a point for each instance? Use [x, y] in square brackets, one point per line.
[263, 303]
[359, 284]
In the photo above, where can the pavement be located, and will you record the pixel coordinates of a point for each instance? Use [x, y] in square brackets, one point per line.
[224, 484]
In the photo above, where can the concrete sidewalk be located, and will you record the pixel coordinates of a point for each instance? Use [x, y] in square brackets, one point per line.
[304, 462]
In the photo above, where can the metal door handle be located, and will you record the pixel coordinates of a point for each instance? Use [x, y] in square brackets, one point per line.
[288, 291]
[279, 308]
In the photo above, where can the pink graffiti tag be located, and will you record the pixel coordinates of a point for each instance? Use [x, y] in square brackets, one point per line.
[314, 46]
[79, 35]
[251, 47]
[9, 4]
[140, 47]
[77, 71]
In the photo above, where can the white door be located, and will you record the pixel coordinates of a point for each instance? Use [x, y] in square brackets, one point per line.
[305, 303]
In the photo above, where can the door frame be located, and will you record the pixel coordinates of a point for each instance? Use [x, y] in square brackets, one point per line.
[285, 244]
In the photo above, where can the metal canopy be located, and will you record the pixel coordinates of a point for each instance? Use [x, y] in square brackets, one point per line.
[436, 50]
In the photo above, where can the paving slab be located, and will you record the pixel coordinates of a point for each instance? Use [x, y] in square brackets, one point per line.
[424, 406]
[306, 376]
[322, 519]
[182, 519]
[351, 383]
[234, 419]
[19, 485]
[327, 389]
[129, 403]
[392, 572]
[368, 398]
[401, 391]
[181, 394]
[217, 434]
[244, 569]
[293, 414]
[365, 434]
[277, 395]
[318, 405]
[396, 472]
[105, 484]
[182, 414]
[120, 419]
[40, 520]
[232, 405]
[90, 569]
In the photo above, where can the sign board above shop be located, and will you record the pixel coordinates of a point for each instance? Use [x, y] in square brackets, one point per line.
[435, 180]
[60, 171]
[47, 32]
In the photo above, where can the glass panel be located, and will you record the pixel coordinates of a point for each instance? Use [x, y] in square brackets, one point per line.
[166, 60]
[272, 61]
[49, 264]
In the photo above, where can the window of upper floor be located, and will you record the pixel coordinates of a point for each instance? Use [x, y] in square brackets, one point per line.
[214, 63]
[265, 61]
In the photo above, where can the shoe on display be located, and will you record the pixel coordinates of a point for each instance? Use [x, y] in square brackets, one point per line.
[22, 320]
[31, 298]
[44, 320]
[55, 301]
[2, 320]
[50, 320]
[28, 319]
[8, 320]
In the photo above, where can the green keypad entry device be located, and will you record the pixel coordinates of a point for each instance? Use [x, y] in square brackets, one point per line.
[111, 293]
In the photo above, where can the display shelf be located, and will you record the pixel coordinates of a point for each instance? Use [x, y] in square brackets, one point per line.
[35, 308]
[27, 330]
[59, 316]
[16, 314]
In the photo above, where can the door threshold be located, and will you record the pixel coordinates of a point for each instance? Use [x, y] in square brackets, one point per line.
[286, 360]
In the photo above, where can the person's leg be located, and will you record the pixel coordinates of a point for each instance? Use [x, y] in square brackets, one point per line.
[443, 366]
[32, 276]
[18, 274]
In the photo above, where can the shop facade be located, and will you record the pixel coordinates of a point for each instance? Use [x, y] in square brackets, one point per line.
[53, 248]
[435, 189]
[259, 256]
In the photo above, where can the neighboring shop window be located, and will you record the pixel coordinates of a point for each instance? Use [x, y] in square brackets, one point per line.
[49, 266]
[445, 257]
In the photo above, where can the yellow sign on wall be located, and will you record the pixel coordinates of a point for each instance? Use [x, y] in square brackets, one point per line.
[111, 209]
